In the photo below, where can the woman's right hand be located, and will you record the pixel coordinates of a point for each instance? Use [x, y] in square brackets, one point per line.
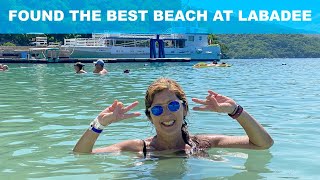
[117, 112]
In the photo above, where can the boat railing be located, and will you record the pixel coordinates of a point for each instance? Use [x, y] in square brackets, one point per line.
[83, 42]
[100, 39]
[137, 36]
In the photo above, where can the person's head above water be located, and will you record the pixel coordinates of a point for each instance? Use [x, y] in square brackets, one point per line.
[126, 71]
[164, 86]
[5, 67]
[79, 67]
[99, 67]
[99, 62]
[166, 106]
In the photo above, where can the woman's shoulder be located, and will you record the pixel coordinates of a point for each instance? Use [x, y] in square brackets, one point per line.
[134, 145]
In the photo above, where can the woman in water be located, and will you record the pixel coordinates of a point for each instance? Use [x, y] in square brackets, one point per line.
[166, 106]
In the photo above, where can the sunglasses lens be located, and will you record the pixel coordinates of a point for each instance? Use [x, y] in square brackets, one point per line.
[174, 106]
[157, 110]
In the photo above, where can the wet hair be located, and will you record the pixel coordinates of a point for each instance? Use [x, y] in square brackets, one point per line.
[80, 65]
[162, 84]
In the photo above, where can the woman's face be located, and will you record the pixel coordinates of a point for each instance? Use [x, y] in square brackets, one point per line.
[168, 122]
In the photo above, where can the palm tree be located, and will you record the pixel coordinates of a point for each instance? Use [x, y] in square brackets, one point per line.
[212, 39]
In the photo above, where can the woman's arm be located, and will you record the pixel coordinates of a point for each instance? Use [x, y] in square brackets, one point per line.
[257, 137]
[86, 142]
[111, 114]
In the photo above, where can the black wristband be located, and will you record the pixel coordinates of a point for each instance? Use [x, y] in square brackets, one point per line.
[237, 113]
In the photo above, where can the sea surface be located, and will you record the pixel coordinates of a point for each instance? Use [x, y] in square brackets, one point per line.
[45, 108]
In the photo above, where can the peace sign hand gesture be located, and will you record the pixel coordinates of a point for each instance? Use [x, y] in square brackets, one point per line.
[216, 102]
[117, 112]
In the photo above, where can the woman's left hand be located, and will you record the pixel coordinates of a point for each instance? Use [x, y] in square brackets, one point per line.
[215, 102]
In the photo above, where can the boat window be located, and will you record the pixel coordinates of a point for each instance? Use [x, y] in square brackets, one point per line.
[180, 43]
[108, 43]
[169, 43]
[119, 42]
[200, 38]
[190, 38]
[142, 43]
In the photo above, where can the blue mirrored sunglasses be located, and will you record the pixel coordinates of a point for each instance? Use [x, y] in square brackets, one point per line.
[172, 106]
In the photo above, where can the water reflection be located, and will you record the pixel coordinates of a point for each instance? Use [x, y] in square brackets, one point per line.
[255, 165]
[219, 164]
[248, 164]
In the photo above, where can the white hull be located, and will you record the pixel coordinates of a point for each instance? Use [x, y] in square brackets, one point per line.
[205, 53]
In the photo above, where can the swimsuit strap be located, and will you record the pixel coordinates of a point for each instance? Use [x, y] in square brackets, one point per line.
[144, 148]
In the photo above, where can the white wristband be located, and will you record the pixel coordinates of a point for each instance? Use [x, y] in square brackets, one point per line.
[96, 124]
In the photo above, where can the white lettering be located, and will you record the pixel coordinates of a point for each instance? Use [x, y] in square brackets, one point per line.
[74, 14]
[132, 15]
[285, 15]
[179, 17]
[168, 15]
[218, 16]
[274, 15]
[157, 15]
[240, 16]
[296, 15]
[253, 16]
[228, 14]
[124, 15]
[23, 15]
[96, 15]
[85, 15]
[36, 15]
[143, 14]
[111, 15]
[171, 15]
[306, 15]
[12, 14]
[263, 15]
[45, 15]
[190, 15]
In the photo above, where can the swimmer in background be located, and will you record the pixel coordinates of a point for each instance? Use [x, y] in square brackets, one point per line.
[223, 64]
[79, 68]
[4, 67]
[99, 67]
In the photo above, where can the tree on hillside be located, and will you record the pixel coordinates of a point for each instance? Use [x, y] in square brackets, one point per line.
[213, 39]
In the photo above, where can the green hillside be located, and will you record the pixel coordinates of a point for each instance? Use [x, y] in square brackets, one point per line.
[269, 46]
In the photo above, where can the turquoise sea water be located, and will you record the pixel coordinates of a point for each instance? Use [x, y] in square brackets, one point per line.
[44, 109]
